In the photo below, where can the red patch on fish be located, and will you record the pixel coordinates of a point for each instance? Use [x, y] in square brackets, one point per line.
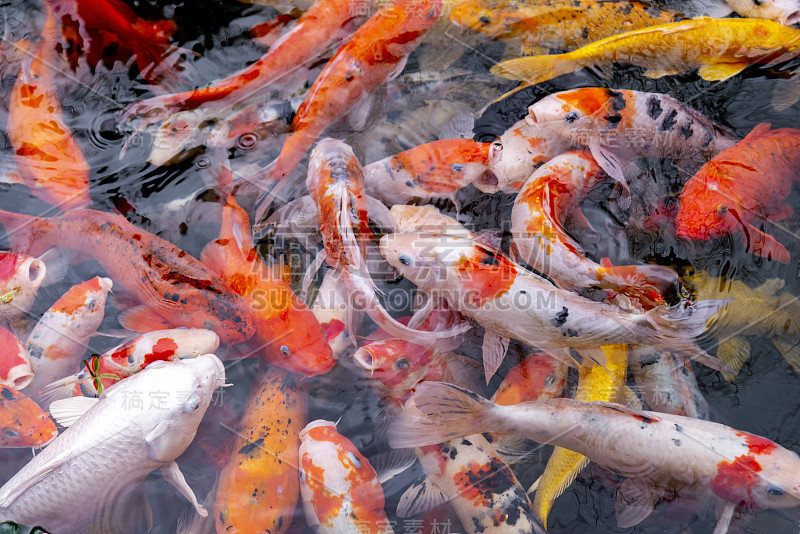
[757, 444]
[333, 328]
[164, 349]
[480, 483]
[485, 276]
[8, 265]
[735, 480]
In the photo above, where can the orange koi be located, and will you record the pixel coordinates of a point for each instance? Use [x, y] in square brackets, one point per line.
[59, 339]
[175, 288]
[259, 487]
[427, 172]
[340, 489]
[50, 161]
[22, 421]
[287, 333]
[373, 54]
[743, 185]
[16, 370]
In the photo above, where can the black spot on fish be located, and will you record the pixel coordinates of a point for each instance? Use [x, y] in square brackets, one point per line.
[650, 359]
[585, 32]
[617, 101]
[614, 119]
[250, 447]
[489, 259]
[477, 524]
[560, 318]
[7, 394]
[572, 333]
[677, 442]
[679, 428]
[669, 121]
[512, 513]
[686, 129]
[653, 107]
[485, 19]
[466, 442]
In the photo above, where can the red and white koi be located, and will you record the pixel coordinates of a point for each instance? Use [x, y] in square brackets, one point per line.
[59, 339]
[655, 451]
[20, 279]
[551, 195]
[330, 309]
[427, 172]
[16, 370]
[340, 490]
[336, 183]
[175, 288]
[129, 358]
[22, 421]
[511, 302]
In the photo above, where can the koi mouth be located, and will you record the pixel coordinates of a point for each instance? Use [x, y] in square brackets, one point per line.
[487, 182]
[364, 359]
[792, 19]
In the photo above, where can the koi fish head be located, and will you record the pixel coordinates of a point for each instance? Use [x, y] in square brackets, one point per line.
[22, 421]
[766, 476]
[787, 12]
[179, 136]
[422, 257]
[303, 347]
[538, 377]
[706, 213]
[398, 365]
[582, 110]
[15, 363]
[20, 279]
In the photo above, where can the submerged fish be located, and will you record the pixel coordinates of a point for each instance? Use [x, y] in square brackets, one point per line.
[720, 48]
[741, 186]
[20, 279]
[656, 452]
[112, 444]
[22, 421]
[16, 370]
[176, 289]
[667, 383]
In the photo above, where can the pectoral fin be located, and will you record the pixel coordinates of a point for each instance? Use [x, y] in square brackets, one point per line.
[660, 73]
[172, 474]
[494, 351]
[615, 167]
[764, 245]
[142, 319]
[790, 352]
[420, 498]
[635, 501]
[388, 464]
[717, 72]
[67, 411]
[733, 351]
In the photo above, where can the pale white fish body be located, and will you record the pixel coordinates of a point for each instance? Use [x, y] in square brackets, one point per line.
[330, 309]
[59, 339]
[517, 154]
[410, 218]
[138, 425]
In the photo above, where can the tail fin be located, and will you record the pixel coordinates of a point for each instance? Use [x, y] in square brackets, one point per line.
[20, 230]
[440, 412]
[676, 327]
[61, 389]
[536, 69]
[562, 468]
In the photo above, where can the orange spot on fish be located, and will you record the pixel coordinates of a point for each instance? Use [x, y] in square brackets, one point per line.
[76, 297]
[485, 276]
[735, 480]
[757, 444]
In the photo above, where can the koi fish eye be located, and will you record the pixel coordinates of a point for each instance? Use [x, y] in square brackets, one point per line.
[457, 167]
[775, 491]
[11, 433]
[405, 260]
[757, 2]
[722, 209]
[402, 363]
[571, 117]
[196, 406]
[285, 351]
[550, 380]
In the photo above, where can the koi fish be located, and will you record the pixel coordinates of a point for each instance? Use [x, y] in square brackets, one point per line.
[787, 12]
[557, 24]
[427, 172]
[595, 383]
[16, 370]
[729, 193]
[59, 339]
[112, 444]
[340, 490]
[720, 48]
[94, 22]
[375, 52]
[655, 451]
[551, 195]
[761, 311]
[287, 333]
[511, 302]
[667, 383]
[517, 154]
[176, 288]
[325, 24]
[20, 279]
[50, 162]
[259, 487]
[410, 218]
[336, 183]
[330, 309]
[619, 126]
[129, 358]
[22, 421]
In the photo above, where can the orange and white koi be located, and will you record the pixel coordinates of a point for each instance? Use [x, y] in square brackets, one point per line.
[129, 358]
[259, 487]
[511, 302]
[551, 195]
[16, 370]
[656, 452]
[323, 25]
[427, 172]
[517, 154]
[336, 183]
[59, 339]
[50, 161]
[373, 54]
[287, 333]
[20, 279]
[22, 421]
[621, 125]
[176, 289]
[341, 492]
